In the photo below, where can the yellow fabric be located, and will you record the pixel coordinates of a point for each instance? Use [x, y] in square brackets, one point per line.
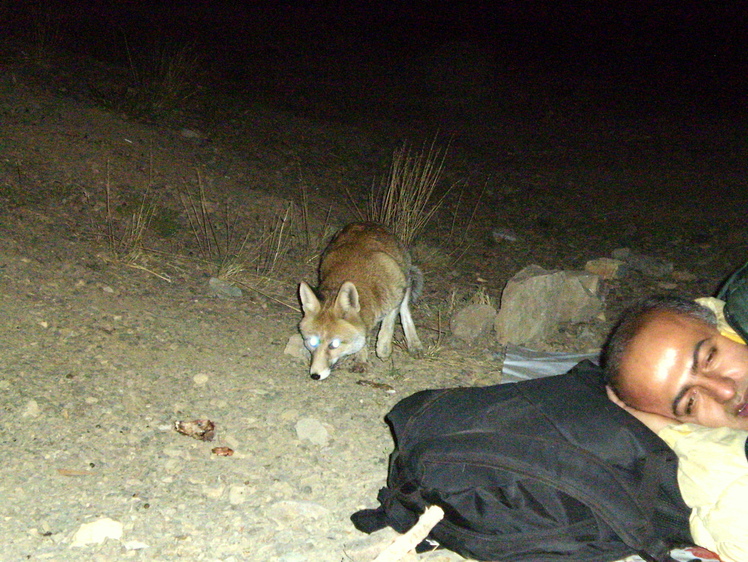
[716, 492]
[717, 306]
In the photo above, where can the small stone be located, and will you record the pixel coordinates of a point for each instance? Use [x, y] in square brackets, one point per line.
[214, 492]
[289, 510]
[296, 348]
[134, 545]
[648, 265]
[223, 289]
[311, 429]
[238, 494]
[605, 268]
[201, 379]
[472, 321]
[190, 134]
[684, 276]
[289, 414]
[621, 254]
[32, 409]
[97, 532]
[504, 235]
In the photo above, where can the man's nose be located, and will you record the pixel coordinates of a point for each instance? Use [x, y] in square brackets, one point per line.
[720, 388]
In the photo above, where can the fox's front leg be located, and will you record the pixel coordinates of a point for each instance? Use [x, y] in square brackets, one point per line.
[360, 361]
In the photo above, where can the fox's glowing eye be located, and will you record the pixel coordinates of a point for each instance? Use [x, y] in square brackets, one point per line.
[312, 341]
[334, 344]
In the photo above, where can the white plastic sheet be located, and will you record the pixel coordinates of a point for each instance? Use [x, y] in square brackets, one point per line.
[521, 364]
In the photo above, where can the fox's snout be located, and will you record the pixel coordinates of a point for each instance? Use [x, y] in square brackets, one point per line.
[318, 373]
[321, 365]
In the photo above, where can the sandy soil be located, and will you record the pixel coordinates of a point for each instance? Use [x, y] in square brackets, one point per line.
[103, 353]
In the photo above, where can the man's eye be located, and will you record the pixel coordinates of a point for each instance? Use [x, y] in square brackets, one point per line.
[690, 404]
[710, 356]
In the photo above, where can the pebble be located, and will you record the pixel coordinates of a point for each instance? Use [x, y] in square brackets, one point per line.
[97, 532]
[295, 348]
[32, 409]
[238, 494]
[290, 510]
[311, 429]
[223, 289]
[648, 265]
[214, 492]
[190, 134]
[472, 321]
[606, 268]
[504, 235]
[134, 545]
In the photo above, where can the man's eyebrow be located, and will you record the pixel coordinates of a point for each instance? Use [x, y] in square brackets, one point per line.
[694, 364]
[695, 357]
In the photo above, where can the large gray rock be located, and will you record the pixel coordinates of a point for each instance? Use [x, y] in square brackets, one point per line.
[536, 301]
[529, 308]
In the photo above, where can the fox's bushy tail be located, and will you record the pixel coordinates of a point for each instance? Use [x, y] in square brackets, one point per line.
[416, 283]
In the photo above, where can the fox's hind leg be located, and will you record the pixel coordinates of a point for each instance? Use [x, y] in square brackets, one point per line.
[411, 336]
[386, 331]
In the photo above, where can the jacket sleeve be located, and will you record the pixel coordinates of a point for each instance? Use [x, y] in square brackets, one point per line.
[713, 478]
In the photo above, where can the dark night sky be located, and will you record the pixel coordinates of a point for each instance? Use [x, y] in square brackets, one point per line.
[701, 32]
[692, 45]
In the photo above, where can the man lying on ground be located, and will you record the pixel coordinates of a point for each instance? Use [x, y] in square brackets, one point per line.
[670, 360]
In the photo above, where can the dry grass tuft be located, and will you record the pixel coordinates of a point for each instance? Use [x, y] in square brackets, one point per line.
[216, 238]
[405, 203]
[44, 35]
[250, 260]
[125, 238]
[167, 78]
[481, 297]
[314, 238]
[465, 239]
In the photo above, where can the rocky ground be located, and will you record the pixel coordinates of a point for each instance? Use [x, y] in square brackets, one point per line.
[110, 334]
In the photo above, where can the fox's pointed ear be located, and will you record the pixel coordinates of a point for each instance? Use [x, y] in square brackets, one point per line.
[347, 299]
[309, 301]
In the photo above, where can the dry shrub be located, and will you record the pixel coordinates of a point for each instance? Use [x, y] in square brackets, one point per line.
[165, 79]
[126, 236]
[405, 204]
[250, 259]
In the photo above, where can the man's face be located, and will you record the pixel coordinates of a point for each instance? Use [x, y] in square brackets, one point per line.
[684, 369]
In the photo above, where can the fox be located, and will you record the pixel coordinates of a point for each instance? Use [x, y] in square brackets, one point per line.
[366, 276]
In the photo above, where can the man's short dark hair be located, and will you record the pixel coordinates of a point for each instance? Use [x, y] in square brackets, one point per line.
[634, 319]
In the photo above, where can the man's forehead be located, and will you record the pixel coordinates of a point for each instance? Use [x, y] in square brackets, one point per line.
[673, 323]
